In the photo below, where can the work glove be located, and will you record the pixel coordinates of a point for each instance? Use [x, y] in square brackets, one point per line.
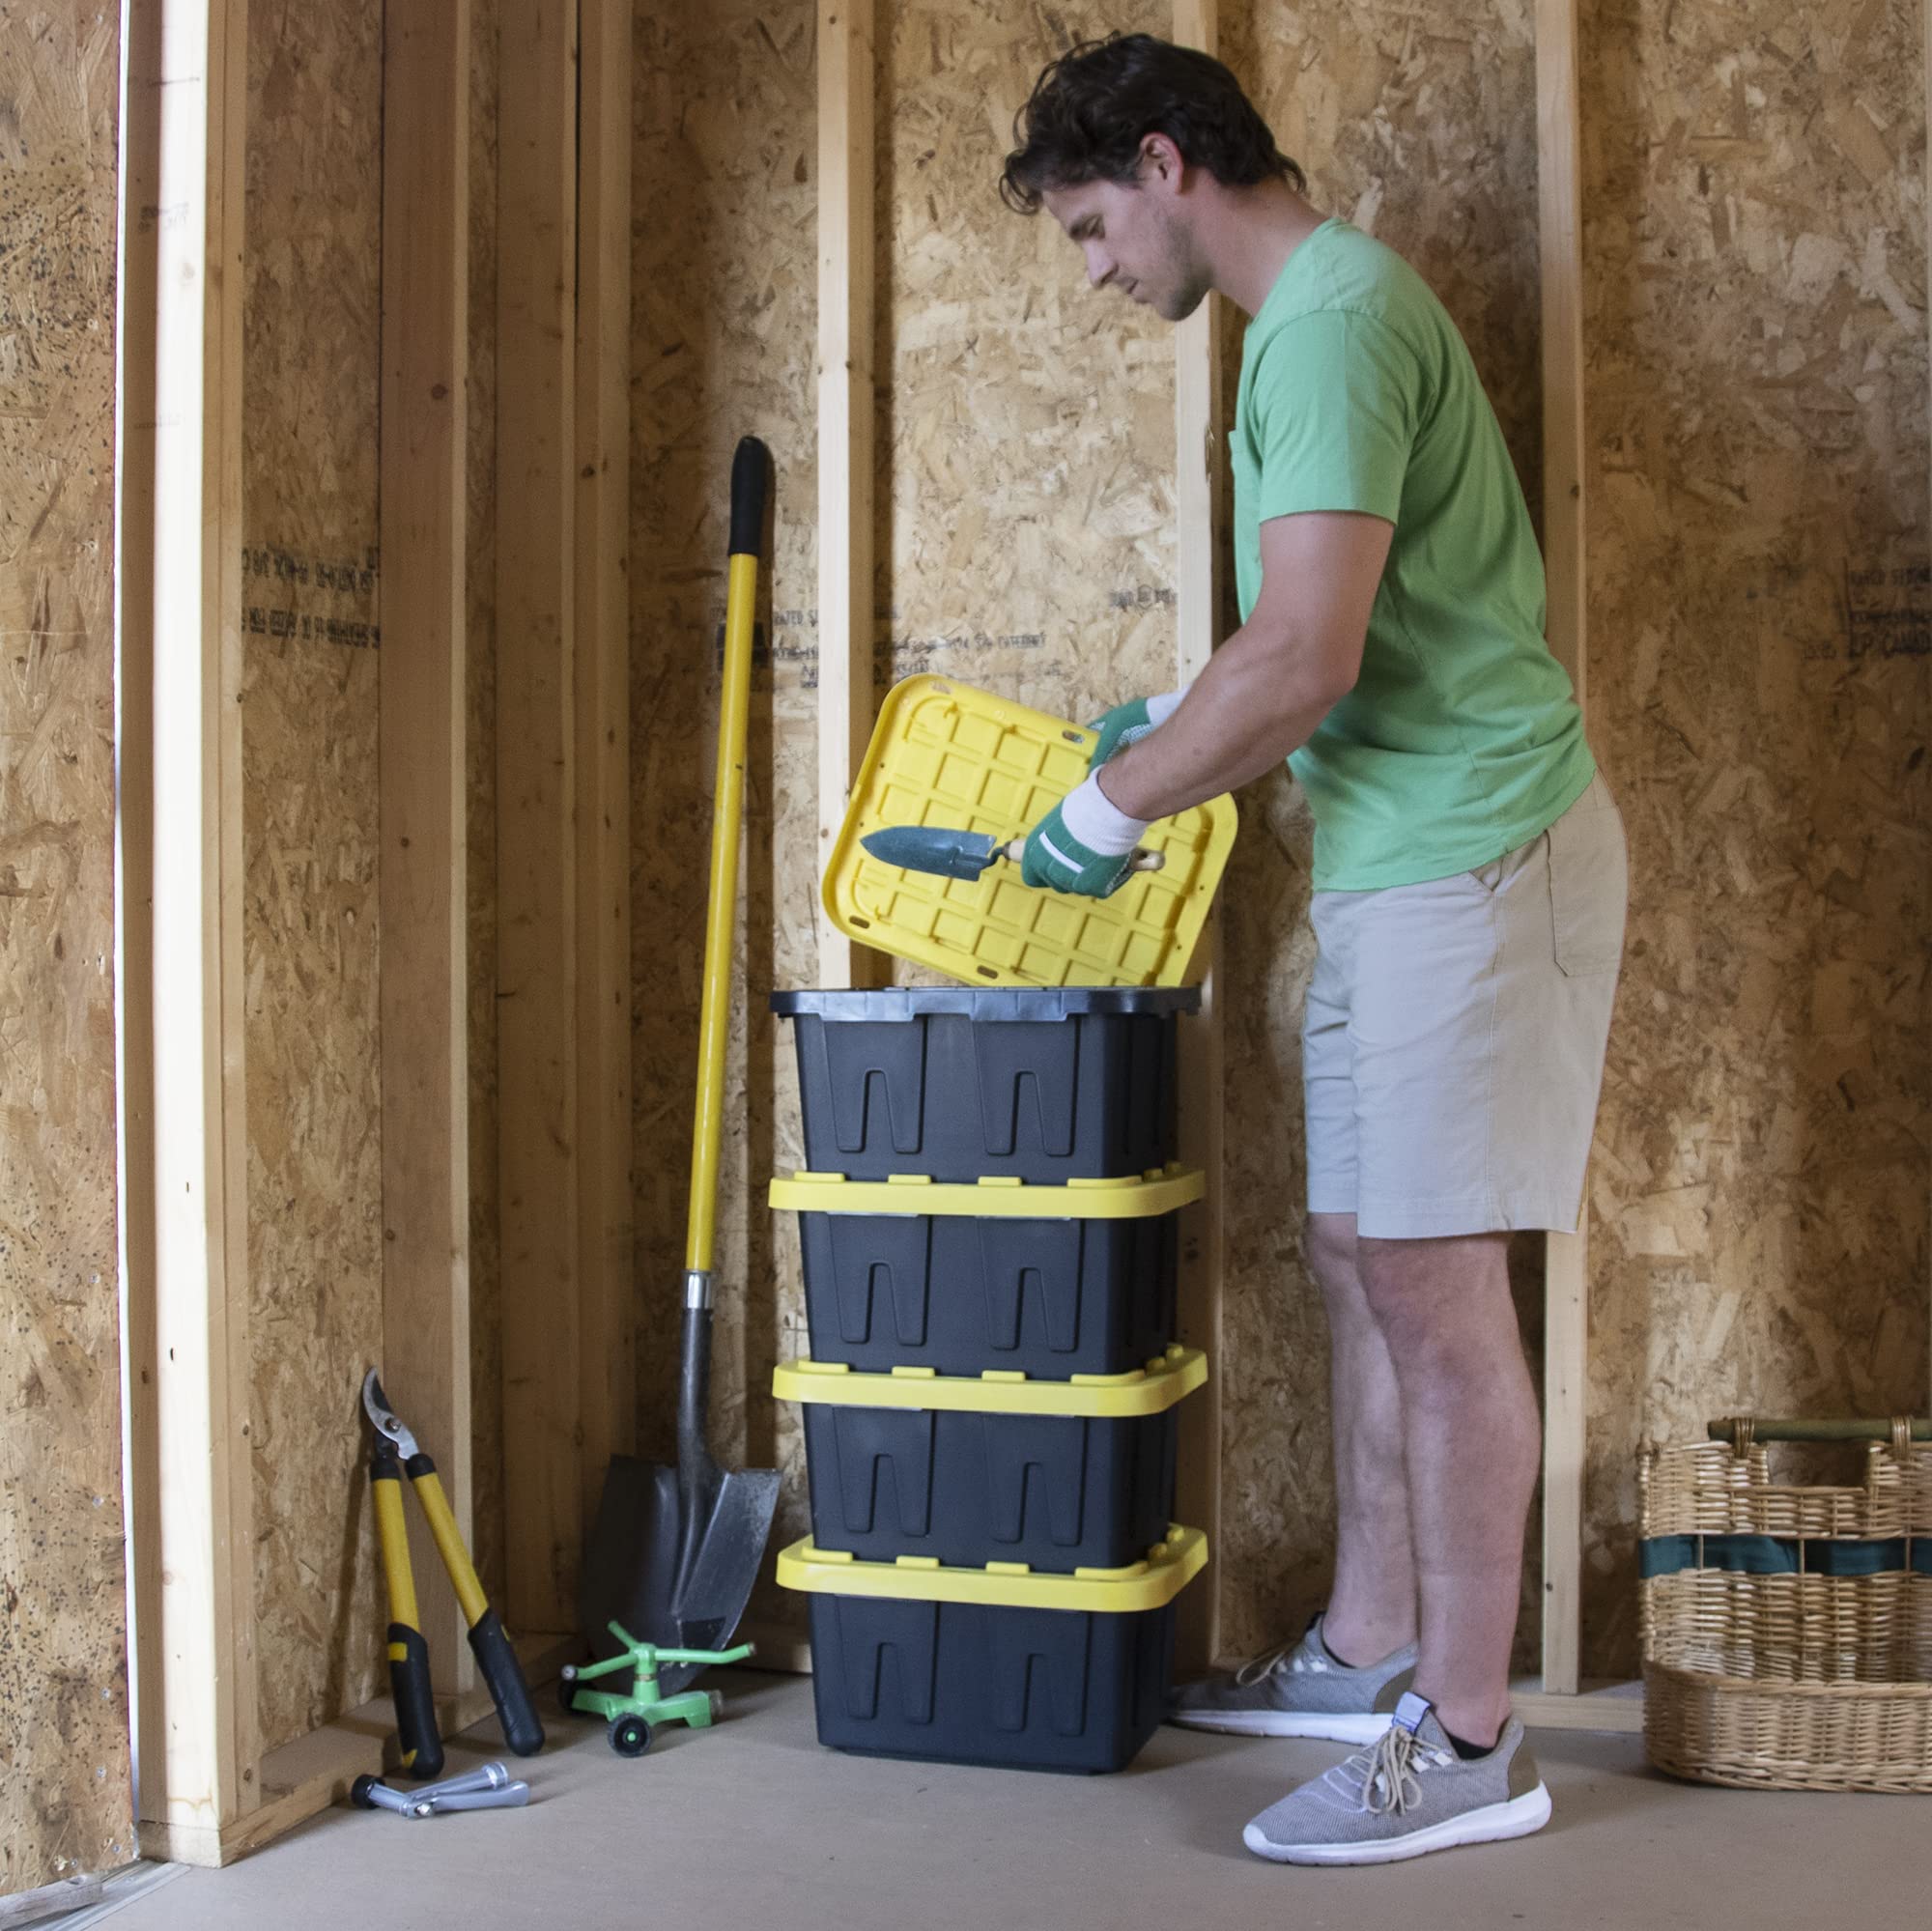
[1127, 724]
[1085, 845]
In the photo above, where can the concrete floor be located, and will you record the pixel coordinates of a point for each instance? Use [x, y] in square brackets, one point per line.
[755, 1825]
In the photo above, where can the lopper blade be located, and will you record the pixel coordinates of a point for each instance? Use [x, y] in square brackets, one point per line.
[387, 1421]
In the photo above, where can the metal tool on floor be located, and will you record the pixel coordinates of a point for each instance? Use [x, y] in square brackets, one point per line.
[675, 1550]
[951, 854]
[629, 1720]
[409, 1653]
[490, 1787]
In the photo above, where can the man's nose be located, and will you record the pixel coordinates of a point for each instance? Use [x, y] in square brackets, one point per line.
[1099, 270]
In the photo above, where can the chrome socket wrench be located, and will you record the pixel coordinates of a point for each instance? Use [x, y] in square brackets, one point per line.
[488, 1788]
[486, 1776]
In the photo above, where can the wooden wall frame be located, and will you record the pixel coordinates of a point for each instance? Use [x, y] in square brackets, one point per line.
[209, 1793]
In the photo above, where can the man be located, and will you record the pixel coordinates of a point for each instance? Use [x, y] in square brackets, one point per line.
[1468, 908]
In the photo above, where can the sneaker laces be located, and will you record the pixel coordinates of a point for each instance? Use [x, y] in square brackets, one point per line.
[1258, 1668]
[1390, 1767]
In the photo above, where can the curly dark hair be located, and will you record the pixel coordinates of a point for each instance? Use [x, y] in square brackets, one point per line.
[1091, 110]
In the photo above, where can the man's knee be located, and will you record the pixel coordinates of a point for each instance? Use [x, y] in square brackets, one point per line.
[1420, 1290]
[1329, 1247]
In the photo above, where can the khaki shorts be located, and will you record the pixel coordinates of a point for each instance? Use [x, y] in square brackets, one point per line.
[1453, 1048]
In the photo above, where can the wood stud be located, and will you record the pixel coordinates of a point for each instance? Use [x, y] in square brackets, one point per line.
[181, 905]
[537, 850]
[846, 85]
[1202, 537]
[1566, 1264]
[421, 772]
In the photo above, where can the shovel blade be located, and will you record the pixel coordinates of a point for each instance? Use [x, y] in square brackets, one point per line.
[631, 1566]
[947, 854]
[711, 1597]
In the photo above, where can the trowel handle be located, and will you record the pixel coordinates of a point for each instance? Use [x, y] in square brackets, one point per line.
[1143, 861]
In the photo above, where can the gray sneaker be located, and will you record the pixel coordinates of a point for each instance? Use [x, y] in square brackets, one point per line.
[1299, 1690]
[1408, 1794]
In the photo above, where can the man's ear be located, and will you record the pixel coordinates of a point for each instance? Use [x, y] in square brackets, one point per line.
[1160, 159]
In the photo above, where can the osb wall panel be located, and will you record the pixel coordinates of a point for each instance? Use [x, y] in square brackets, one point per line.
[486, 1323]
[1417, 122]
[724, 305]
[1025, 432]
[1025, 502]
[310, 805]
[65, 1802]
[1756, 391]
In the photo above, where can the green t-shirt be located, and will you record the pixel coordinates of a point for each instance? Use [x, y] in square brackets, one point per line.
[1461, 738]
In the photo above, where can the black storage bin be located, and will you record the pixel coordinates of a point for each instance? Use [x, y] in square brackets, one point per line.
[963, 1294]
[967, 1471]
[987, 1682]
[1046, 1085]
[1024, 1689]
[1058, 1491]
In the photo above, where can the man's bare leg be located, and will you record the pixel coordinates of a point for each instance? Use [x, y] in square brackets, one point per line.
[1372, 1608]
[1472, 1441]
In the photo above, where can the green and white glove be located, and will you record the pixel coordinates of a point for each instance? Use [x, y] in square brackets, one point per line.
[1127, 724]
[1085, 845]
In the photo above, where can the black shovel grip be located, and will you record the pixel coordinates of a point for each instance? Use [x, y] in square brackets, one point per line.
[749, 467]
[508, 1690]
[694, 1389]
[417, 1736]
[694, 1449]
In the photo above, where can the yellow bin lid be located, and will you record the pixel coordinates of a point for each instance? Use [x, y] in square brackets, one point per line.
[1151, 1583]
[1001, 1391]
[946, 755]
[995, 1199]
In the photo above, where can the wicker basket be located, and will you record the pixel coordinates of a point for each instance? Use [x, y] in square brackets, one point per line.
[1787, 1631]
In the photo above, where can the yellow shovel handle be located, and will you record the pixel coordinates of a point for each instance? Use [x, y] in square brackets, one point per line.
[728, 812]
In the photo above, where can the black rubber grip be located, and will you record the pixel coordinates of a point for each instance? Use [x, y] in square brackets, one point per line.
[416, 1734]
[419, 1465]
[508, 1690]
[748, 469]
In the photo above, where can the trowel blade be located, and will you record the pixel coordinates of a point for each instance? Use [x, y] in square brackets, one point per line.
[933, 848]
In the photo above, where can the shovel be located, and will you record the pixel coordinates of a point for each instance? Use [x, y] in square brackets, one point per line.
[674, 1551]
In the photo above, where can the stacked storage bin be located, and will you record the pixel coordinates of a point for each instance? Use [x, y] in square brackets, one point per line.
[990, 1241]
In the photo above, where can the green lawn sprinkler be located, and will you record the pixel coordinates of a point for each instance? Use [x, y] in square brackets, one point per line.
[628, 1720]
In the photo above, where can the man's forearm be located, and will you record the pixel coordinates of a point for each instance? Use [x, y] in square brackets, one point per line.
[1244, 713]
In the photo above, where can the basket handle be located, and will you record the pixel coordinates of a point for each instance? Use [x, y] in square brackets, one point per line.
[1741, 1431]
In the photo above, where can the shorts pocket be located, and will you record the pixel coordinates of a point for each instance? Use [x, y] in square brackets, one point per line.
[1589, 886]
